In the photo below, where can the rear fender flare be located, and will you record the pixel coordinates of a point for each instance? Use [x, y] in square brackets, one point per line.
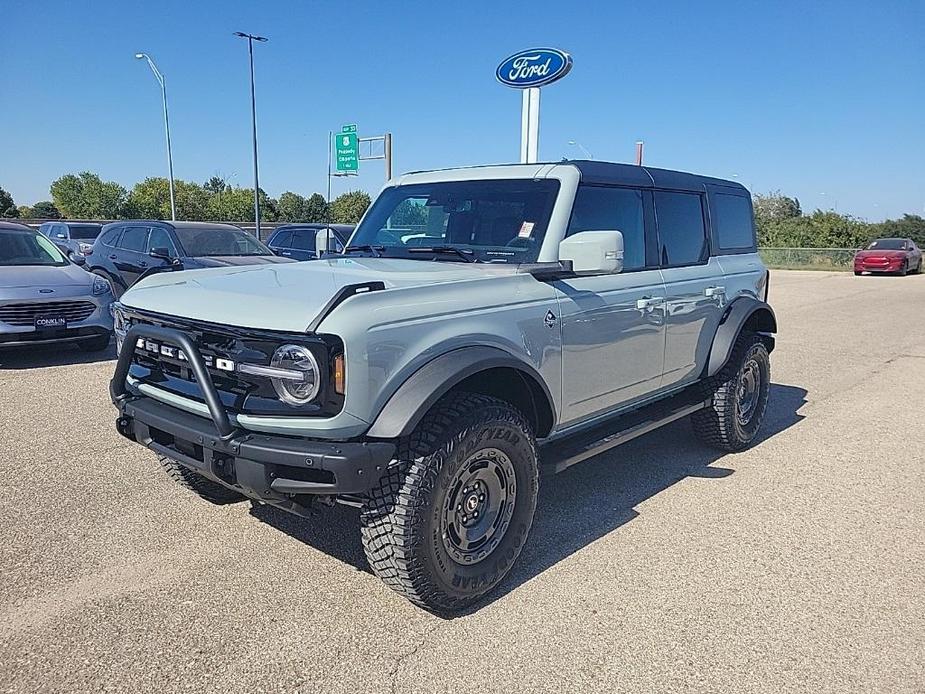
[738, 313]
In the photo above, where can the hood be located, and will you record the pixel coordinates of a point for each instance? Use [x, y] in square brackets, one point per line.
[235, 260]
[44, 276]
[286, 297]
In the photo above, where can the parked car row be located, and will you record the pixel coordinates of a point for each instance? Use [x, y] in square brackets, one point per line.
[57, 283]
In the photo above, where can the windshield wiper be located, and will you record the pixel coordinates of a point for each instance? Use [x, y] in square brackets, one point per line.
[463, 253]
[375, 250]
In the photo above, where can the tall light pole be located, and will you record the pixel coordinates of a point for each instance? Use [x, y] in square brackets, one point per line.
[250, 51]
[160, 79]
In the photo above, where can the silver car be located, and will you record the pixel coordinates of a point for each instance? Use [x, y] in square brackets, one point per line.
[46, 298]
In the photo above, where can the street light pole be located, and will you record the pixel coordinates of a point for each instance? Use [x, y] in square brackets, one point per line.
[250, 51]
[575, 143]
[162, 82]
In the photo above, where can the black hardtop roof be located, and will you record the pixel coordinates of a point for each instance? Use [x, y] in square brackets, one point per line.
[604, 172]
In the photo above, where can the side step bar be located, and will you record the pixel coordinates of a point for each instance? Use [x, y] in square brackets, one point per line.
[560, 455]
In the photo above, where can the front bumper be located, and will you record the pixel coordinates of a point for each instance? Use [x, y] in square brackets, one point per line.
[271, 468]
[95, 325]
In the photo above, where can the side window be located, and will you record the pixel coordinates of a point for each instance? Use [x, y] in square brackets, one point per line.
[159, 238]
[45, 229]
[282, 239]
[599, 208]
[682, 238]
[732, 221]
[111, 236]
[304, 239]
[58, 231]
[134, 239]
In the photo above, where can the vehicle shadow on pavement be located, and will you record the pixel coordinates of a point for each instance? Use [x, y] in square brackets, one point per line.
[41, 356]
[576, 507]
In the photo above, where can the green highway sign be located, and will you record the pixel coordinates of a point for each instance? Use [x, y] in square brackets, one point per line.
[349, 128]
[346, 149]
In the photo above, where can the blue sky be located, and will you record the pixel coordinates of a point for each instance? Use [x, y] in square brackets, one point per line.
[825, 101]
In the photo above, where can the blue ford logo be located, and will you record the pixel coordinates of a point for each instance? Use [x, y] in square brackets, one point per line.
[534, 68]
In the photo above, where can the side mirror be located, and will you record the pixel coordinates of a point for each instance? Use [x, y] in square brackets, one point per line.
[593, 252]
[78, 259]
[161, 253]
[326, 242]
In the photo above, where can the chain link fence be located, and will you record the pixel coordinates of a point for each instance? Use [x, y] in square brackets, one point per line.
[808, 258]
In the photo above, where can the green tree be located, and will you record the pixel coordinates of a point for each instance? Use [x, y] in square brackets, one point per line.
[349, 207]
[86, 196]
[7, 206]
[45, 209]
[150, 199]
[292, 207]
[237, 205]
[316, 208]
[25, 212]
[215, 185]
[775, 206]
[911, 226]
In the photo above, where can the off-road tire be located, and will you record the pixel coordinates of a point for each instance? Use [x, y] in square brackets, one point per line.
[96, 344]
[403, 517]
[211, 491]
[720, 425]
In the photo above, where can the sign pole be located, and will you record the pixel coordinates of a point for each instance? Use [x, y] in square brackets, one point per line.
[387, 147]
[330, 146]
[534, 136]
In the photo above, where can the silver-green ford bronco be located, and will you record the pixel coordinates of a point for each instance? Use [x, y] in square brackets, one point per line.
[481, 323]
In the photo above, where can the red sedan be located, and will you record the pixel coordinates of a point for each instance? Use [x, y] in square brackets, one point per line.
[889, 255]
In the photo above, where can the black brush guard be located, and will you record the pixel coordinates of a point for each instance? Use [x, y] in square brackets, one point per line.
[272, 468]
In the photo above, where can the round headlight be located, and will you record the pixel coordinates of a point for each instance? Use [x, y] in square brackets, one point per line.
[303, 384]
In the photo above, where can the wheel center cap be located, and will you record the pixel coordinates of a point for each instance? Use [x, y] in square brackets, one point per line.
[472, 502]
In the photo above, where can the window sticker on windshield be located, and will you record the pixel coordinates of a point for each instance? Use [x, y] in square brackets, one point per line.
[525, 230]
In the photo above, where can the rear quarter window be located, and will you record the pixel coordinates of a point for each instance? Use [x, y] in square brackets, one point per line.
[733, 222]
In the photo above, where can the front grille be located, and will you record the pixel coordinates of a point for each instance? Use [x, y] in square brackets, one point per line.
[25, 314]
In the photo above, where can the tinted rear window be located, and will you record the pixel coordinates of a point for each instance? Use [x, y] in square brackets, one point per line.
[134, 239]
[732, 220]
[85, 232]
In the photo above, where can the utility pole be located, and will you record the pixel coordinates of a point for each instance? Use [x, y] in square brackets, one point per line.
[250, 51]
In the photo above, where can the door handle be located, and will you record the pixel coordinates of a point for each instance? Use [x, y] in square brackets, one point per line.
[113, 257]
[143, 264]
[714, 291]
[649, 302]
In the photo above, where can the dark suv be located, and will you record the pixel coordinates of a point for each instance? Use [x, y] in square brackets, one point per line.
[75, 239]
[298, 241]
[125, 251]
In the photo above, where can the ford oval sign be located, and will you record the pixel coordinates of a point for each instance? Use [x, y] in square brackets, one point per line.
[534, 68]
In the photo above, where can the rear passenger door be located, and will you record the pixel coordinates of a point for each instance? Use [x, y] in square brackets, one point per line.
[131, 255]
[613, 326]
[694, 284]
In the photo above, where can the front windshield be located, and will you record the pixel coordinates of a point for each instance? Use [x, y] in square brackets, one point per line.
[887, 245]
[499, 221]
[24, 248]
[206, 241]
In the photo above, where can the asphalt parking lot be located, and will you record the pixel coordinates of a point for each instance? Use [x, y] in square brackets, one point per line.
[662, 566]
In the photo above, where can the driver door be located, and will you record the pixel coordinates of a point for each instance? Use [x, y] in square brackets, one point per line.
[613, 326]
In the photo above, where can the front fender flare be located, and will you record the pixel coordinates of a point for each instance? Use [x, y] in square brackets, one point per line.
[408, 405]
[737, 314]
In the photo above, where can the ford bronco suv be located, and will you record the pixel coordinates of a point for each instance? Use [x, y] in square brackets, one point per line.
[481, 323]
